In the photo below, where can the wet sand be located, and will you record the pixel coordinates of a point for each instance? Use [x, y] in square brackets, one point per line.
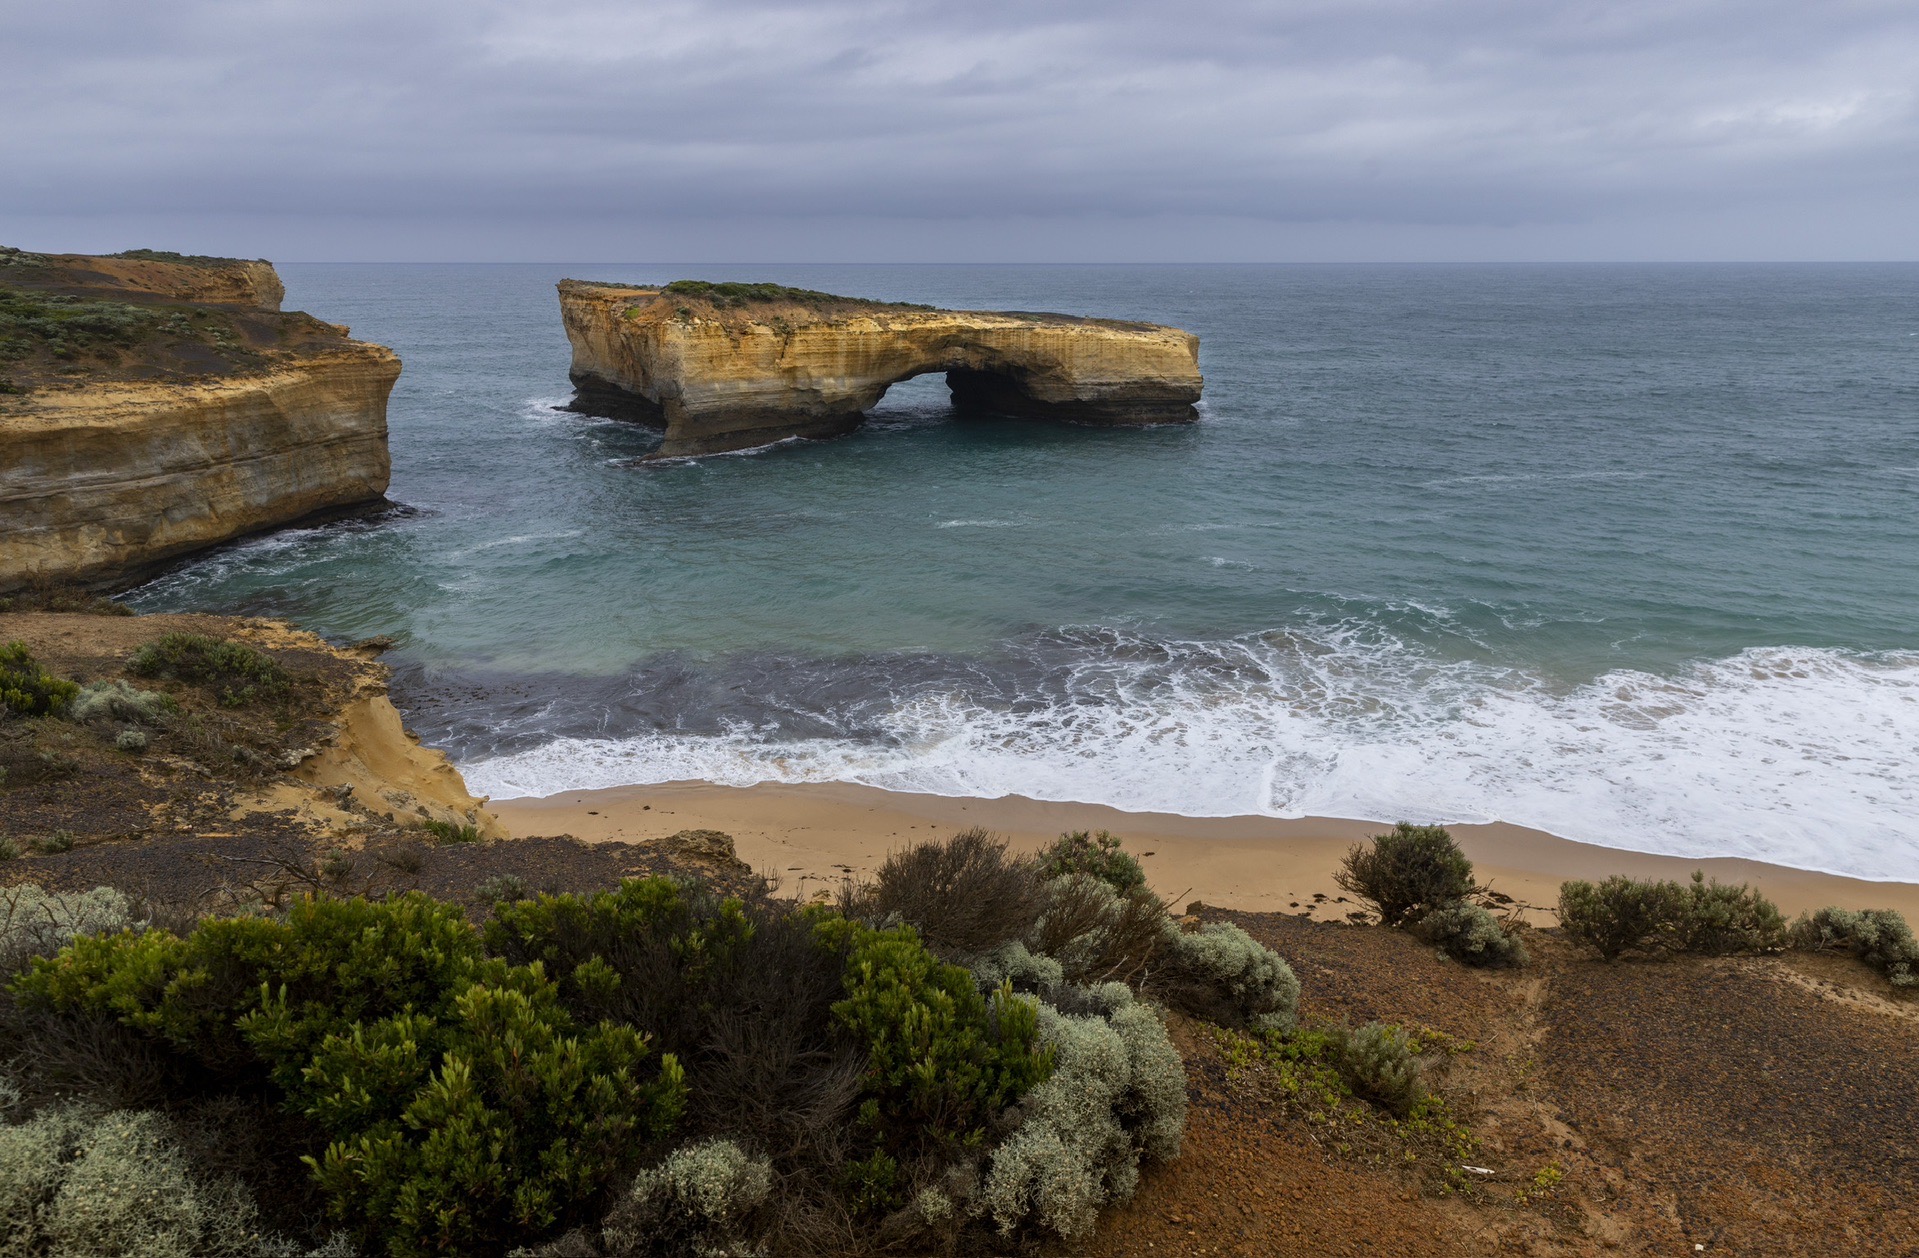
[809, 837]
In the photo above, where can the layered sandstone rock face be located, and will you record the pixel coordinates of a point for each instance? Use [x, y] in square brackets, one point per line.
[727, 367]
[180, 411]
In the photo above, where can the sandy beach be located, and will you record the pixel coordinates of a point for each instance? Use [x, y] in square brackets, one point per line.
[809, 837]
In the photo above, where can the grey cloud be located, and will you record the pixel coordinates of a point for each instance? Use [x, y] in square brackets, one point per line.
[546, 119]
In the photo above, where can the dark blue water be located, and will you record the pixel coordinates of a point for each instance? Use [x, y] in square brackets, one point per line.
[1628, 553]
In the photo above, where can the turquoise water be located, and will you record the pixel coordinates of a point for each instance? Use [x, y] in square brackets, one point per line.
[1627, 553]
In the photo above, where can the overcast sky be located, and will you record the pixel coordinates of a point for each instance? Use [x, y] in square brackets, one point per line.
[845, 130]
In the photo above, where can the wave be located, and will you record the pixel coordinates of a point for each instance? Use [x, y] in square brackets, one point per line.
[1797, 756]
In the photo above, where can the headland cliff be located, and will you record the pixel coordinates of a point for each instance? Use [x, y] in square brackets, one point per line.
[152, 405]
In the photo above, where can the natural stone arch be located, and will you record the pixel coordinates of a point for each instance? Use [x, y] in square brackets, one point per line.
[725, 373]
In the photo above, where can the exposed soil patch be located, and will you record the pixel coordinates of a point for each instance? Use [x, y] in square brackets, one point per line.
[1743, 1105]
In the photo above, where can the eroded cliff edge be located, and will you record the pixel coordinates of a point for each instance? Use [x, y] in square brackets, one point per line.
[731, 366]
[152, 405]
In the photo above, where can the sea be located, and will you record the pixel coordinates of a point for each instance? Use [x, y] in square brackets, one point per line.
[1627, 553]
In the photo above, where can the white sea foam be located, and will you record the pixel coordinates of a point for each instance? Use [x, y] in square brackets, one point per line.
[1798, 756]
[977, 524]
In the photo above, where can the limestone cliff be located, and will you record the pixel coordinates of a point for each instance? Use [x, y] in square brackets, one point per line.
[727, 367]
[151, 407]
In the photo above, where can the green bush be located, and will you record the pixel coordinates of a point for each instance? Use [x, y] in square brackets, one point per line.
[646, 953]
[1467, 932]
[1224, 975]
[131, 740]
[462, 1104]
[449, 832]
[517, 1121]
[9, 849]
[942, 1060]
[1381, 1063]
[116, 700]
[54, 844]
[1879, 937]
[27, 689]
[508, 887]
[1408, 872]
[234, 671]
[732, 295]
[1098, 854]
[1620, 914]
[1722, 920]
[1116, 1097]
[700, 1200]
[1627, 914]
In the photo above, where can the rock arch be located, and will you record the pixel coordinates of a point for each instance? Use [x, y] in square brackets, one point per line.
[728, 367]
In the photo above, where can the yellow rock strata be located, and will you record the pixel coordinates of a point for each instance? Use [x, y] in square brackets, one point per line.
[721, 377]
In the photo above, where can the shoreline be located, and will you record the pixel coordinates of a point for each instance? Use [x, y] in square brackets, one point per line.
[810, 836]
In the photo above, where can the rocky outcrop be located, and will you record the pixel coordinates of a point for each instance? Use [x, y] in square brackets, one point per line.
[100, 484]
[728, 367]
[191, 414]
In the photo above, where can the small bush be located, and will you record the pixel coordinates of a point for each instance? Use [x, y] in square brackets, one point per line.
[1620, 914]
[1879, 937]
[1467, 932]
[1722, 920]
[27, 689]
[1381, 1063]
[9, 850]
[234, 671]
[116, 700]
[1224, 975]
[131, 740]
[1627, 914]
[1117, 1096]
[54, 844]
[38, 923]
[1407, 873]
[698, 1201]
[507, 887]
[1097, 934]
[1099, 855]
[943, 1060]
[449, 832]
[964, 896]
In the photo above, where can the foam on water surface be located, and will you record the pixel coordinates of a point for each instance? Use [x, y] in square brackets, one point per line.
[1448, 543]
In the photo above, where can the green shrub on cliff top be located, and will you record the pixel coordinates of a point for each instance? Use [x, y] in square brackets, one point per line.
[461, 1103]
[1879, 937]
[734, 295]
[942, 1060]
[1467, 932]
[234, 671]
[1097, 854]
[1408, 872]
[1627, 914]
[27, 689]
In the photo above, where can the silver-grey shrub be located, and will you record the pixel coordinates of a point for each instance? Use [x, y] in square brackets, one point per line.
[35, 922]
[1116, 1098]
[699, 1201]
[117, 701]
[113, 1185]
[1879, 937]
[1380, 1062]
[1469, 933]
[1221, 973]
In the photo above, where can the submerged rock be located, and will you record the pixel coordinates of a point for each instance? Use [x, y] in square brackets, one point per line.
[732, 366]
